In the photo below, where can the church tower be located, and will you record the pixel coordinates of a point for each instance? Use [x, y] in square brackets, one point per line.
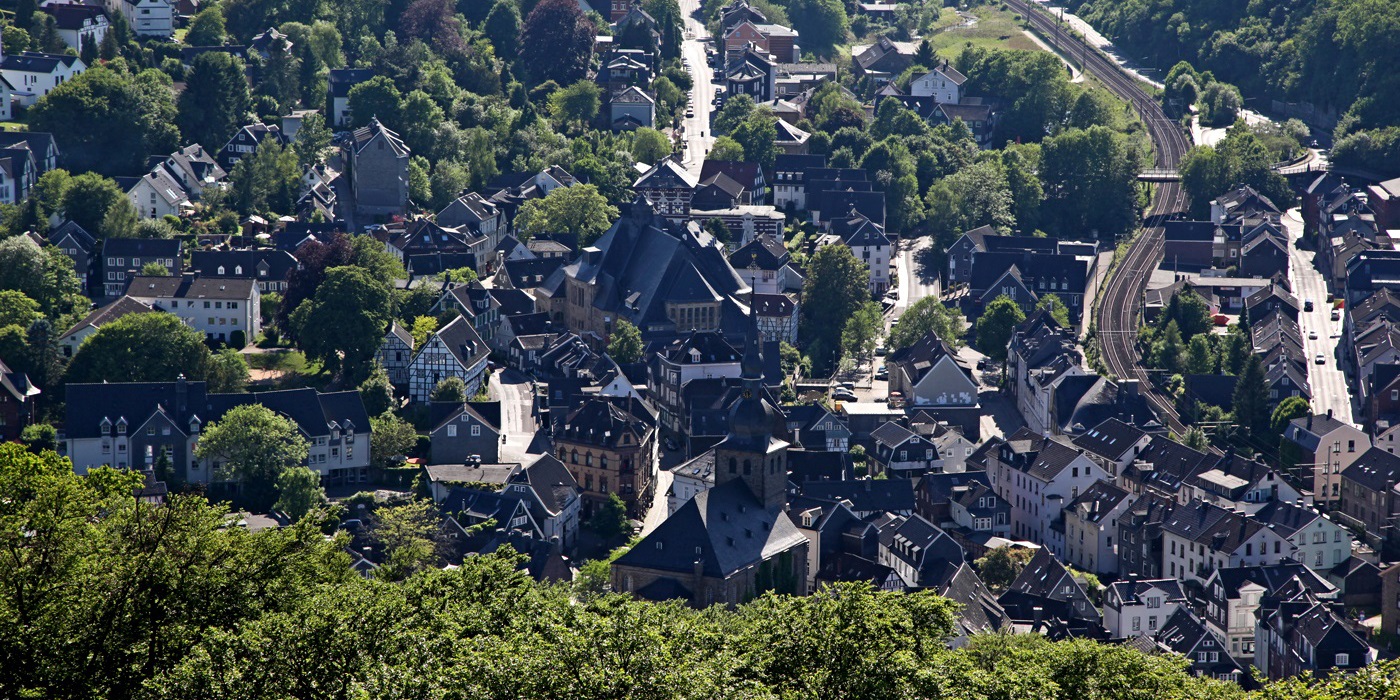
[750, 452]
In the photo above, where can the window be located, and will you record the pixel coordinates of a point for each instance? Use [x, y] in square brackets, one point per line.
[1154, 602]
[476, 430]
[1343, 659]
[451, 430]
[1137, 624]
[1152, 624]
[1214, 656]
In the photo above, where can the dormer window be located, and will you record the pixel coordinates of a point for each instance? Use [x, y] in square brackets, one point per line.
[106, 427]
[121, 427]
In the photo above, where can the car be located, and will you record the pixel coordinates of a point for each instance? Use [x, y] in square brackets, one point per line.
[848, 386]
[843, 396]
[883, 372]
[1307, 304]
[1312, 335]
[689, 114]
[881, 351]
[1320, 359]
[1336, 314]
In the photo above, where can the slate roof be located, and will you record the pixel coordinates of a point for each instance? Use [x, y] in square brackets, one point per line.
[314, 412]
[1374, 469]
[189, 286]
[1130, 592]
[924, 354]
[865, 495]
[550, 480]
[104, 315]
[726, 529]
[141, 248]
[1096, 502]
[601, 422]
[341, 80]
[710, 347]
[1272, 578]
[470, 473]
[278, 262]
[36, 62]
[1040, 457]
[667, 173]
[462, 341]
[1286, 517]
[762, 252]
[1211, 526]
[1110, 439]
[70, 228]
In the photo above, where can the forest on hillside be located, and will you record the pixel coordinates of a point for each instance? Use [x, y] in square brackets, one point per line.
[1334, 54]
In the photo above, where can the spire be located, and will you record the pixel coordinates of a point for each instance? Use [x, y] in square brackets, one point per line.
[752, 365]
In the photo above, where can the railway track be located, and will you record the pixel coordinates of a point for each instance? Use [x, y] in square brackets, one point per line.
[1121, 298]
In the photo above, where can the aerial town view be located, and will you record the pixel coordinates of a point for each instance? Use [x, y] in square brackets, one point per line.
[700, 349]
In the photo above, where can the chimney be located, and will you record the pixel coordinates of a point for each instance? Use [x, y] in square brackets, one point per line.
[592, 254]
[1329, 413]
[181, 395]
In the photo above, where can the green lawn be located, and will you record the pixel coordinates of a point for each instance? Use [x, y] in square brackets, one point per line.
[995, 29]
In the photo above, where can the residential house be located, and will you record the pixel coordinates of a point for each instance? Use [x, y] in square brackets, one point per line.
[1113, 444]
[99, 317]
[789, 179]
[1140, 535]
[552, 497]
[192, 167]
[774, 39]
[1091, 527]
[923, 555]
[268, 267]
[18, 172]
[630, 109]
[929, 374]
[944, 84]
[669, 188]
[869, 244]
[1134, 606]
[698, 355]
[78, 25]
[1024, 277]
[377, 163]
[1328, 447]
[1318, 543]
[396, 353]
[1232, 597]
[1046, 584]
[609, 446]
[244, 143]
[16, 406]
[882, 61]
[1200, 537]
[465, 433]
[476, 215]
[1370, 500]
[123, 257]
[1039, 476]
[1186, 634]
[455, 350]
[32, 74]
[902, 453]
[224, 309]
[1304, 635]
[153, 19]
[339, 83]
[1390, 599]
[1040, 357]
[815, 428]
[976, 508]
[79, 246]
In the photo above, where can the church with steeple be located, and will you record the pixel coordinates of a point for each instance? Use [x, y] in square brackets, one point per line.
[735, 541]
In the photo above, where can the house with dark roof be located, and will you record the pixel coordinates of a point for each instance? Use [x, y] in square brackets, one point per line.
[465, 433]
[698, 355]
[268, 267]
[224, 309]
[129, 425]
[921, 553]
[1024, 277]
[1134, 606]
[1318, 542]
[977, 509]
[930, 375]
[552, 498]
[245, 142]
[882, 61]
[943, 83]
[99, 317]
[790, 179]
[609, 445]
[1301, 634]
[124, 257]
[376, 161]
[147, 18]
[1039, 477]
[32, 74]
[1370, 500]
[934, 495]
[455, 350]
[1186, 634]
[669, 188]
[815, 428]
[395, 353]
[1232, 598]
[16, 402]
[79, 246]
[338, 85]
[442, 479]
[78, 24]
[1199, 537]
[1041, 356]
[1047, 586]
[1091, 527]
[902, 453]
[867, 497]
[1113, 444]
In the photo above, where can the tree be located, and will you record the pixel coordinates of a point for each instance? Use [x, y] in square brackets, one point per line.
[1057, 309]
[450, 389]
[1170, 352]
[155, 269]
[16, 309]
[435, 23]
[862, 331]
[610, 520]
[1251, 399]
[758, 136]
[44, 275]
[502, 27]
[299, 492]
[267, 181]
[390, 438]
[87, 198]
[625, 345]
[408, 534]
[995, 326]
[141, 348]
[927, 315]
[1220, 104]
[376, 98]
[228, 372]
[999, 567]
[155, 229]
[376, 392]
[1199, 357]
[837, 285]
[649, 145]
[579, 210]
[253, 445]
[556, 41]
[207, 27]
[577, 103]
[423, 328]
[343, 325]
[1288, 409]
[215, 102]
[822, 24]
[980, 195]
[1090, 180]
[109, 121]
[725, 149]
[369, 255]
[313, 138]
[314, 259]
[736, 110]
[39, 437]
[1196, 439]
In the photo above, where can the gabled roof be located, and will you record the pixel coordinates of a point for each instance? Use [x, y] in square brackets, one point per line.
[107, 314]
[1110, 439]
[550, 480]
[924, 354]
[36, 62]
[462, 341]
[668, 173]
[189, 286]
[363, 136]
[85, 241]
[724, 529]
[866, 495]
[762, 253]
[1097, 501]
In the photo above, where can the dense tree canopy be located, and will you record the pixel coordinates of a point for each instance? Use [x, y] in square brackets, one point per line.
[343, 324]
[253, 446]
[109, 121]
[215, 101]
[837, 285]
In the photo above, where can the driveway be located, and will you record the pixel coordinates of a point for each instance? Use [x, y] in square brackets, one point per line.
[917, 277]
[1329, 382]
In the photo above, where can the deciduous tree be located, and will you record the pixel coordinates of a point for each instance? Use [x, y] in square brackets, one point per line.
[579, 210]
[343, 325]
[299, 492]
[995, 325]
[837, 285]
[215, 101]
[141, 348]
[556, 41]
[625, 345]
[253, 445]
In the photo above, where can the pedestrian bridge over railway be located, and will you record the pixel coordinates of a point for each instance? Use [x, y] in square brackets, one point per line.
[1160, 175]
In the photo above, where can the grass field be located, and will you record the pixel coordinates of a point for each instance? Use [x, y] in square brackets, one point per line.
[995, 28]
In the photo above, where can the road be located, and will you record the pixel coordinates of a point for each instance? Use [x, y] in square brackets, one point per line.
[1328, 381]
[1117, 313]
[518, 425]
[698, 138]
[916, 280]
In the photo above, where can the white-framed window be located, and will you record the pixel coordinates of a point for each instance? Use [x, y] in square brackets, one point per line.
[1343, 659]
[476, 430]
[451, 431]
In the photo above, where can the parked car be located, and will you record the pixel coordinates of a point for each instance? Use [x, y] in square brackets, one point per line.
[1307, 304]
[882, 373]
[1320, 359]
[1336, 314]
[842, 395]
[1312, 335]
[881, 351]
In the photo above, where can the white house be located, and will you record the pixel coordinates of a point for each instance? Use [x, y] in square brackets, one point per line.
[1091, 524]
[1133, 607]
[218, 307]
[943, 84]
[689, 478]
[455, 350]
[929, 373]
[78, 24]
[1233, 596]
[1318, 543]
[32, 74]
[158, 194]
[1039, 476]
[1329, 446]
[1199, 537]
[148, 18]
[632, 109]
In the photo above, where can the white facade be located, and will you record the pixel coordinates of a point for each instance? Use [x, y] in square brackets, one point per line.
[434, 363]
[148, 18]
[937, 85]
[1090, 545]
[1321, 545]
[1186, 560]
[30, 82]
[1036, 502]
[156, 197]
[216, 318]
[1143, 614]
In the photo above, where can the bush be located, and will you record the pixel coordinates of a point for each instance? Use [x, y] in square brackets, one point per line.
[237, 339]
[398, 477]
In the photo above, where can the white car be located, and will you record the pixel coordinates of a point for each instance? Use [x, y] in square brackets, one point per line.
[1320, 359]
[1312, 335]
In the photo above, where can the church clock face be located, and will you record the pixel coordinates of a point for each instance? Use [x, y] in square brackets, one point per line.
[748, 394]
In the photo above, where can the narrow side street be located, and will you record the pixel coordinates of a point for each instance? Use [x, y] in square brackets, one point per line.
[518, 424]
[1321, 335]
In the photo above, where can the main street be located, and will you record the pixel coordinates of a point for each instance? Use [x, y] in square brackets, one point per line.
[1328, 381]
[698, 138]
[515, 391]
